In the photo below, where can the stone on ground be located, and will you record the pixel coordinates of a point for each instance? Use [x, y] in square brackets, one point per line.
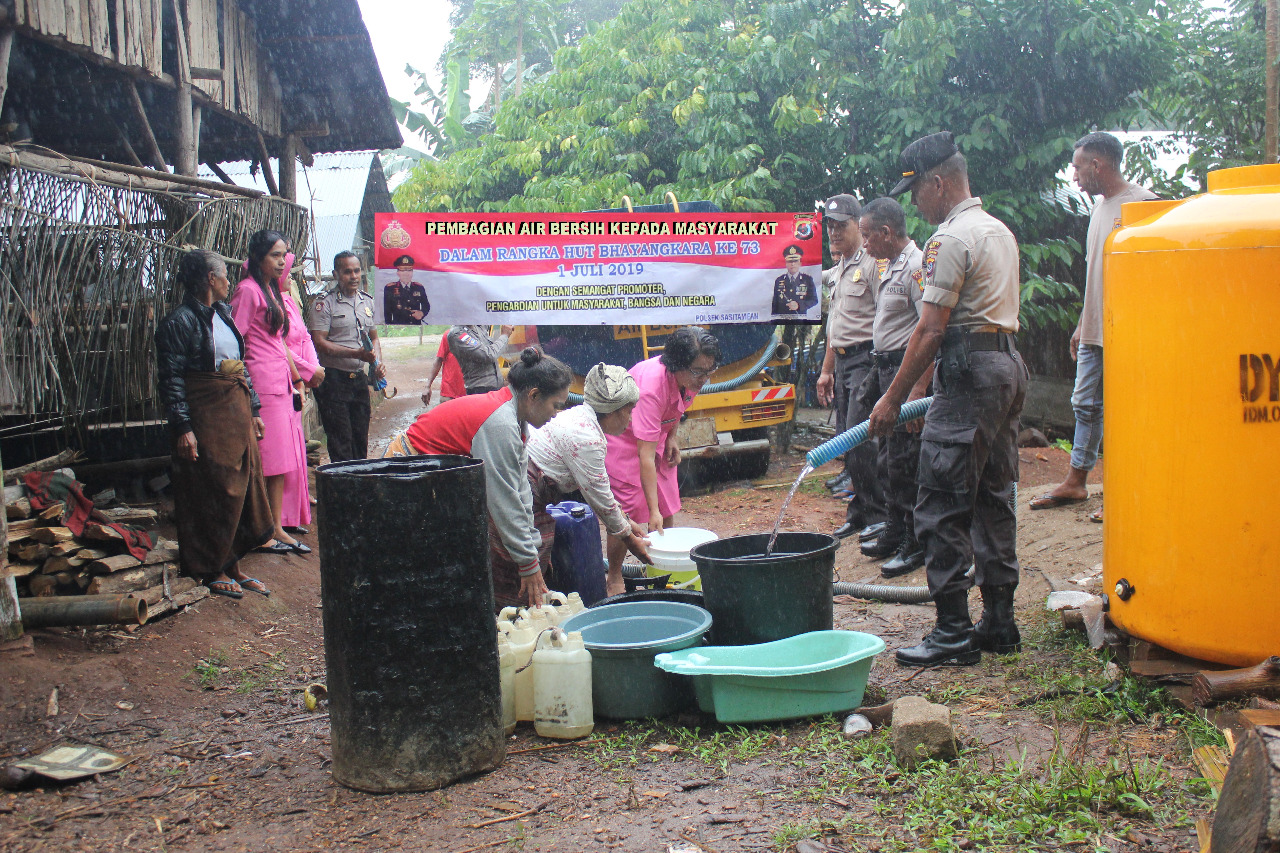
[922, 731]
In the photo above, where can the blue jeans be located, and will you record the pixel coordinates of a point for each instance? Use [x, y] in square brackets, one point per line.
[1086, 400]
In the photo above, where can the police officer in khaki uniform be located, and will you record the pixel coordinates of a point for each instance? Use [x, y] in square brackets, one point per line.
[969, 453]
[848, 360]
[884, 237]
[337, 320]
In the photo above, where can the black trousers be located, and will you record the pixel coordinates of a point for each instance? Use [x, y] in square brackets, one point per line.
[899, 456]
[868, 504]
[968, 465]
[344, 407]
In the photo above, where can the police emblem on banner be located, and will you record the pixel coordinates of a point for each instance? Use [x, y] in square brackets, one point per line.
[394, 236]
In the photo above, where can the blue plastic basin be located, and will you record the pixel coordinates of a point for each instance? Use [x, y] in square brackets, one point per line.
[820, 672]
[622, 639]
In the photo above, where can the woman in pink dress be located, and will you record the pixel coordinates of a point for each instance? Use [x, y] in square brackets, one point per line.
[295, 510]
[259, 313]
[642, 460]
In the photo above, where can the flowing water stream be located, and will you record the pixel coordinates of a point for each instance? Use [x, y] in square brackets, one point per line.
[795, 487]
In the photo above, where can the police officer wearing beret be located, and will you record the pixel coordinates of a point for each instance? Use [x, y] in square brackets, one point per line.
[969, 453]
[795, 292]
[337, 320]
[404, 301]
[848, 360]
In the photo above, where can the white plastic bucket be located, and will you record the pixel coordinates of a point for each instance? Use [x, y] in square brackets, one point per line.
[670, 552]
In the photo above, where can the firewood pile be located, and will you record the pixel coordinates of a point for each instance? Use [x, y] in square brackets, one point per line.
[46, 559]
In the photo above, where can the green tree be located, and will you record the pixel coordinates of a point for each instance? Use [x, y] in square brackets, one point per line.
[773, 106]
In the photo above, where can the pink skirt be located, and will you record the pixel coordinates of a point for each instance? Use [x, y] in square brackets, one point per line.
[282, 446]
[630, 496]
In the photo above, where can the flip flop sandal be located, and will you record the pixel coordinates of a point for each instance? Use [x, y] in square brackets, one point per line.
[1048, 501]
[254, 585]
[1096, 515]
[230, 589]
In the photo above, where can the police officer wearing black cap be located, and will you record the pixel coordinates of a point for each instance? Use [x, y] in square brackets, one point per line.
[848, 360]
[404, 301]
[794, 293]
[969, 453]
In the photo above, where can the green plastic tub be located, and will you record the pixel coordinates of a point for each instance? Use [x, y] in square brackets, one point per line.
[820, 672]
[622, 639]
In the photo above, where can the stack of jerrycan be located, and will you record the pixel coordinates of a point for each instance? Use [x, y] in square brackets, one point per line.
[521, 633]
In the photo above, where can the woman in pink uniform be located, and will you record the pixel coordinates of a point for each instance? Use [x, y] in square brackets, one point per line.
[642, 460]
[295, 509]
[259, 313]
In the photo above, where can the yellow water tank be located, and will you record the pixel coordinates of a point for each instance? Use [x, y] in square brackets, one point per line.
[1191, 547]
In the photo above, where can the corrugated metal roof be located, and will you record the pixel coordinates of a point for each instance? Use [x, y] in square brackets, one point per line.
[333, 187]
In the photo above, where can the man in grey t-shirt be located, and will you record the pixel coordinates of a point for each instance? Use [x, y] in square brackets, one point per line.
[1096, 159]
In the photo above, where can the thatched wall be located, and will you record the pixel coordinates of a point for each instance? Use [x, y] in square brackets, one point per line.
[85, 272]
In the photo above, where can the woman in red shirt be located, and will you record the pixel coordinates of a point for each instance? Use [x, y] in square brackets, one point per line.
[493, 427]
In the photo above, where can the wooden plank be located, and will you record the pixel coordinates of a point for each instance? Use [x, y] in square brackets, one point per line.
[1204, 834]
[53, 17]
[73, 12]
[1158, 668]
[204, 38]
[191, 596]
[1260, 716]
[1212, 761]
[21, 570]
[99, 28]
[118, 563]
[131, 580]
[230, 53]
[51, 535]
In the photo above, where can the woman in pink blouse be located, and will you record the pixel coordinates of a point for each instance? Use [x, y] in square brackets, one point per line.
[642, 460]
[295, 510]
[260, 314]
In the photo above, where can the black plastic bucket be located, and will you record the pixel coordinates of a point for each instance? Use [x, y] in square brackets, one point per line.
[757, 599]
[407, 597]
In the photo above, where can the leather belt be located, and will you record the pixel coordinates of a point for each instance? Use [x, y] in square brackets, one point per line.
[990, 342]
[853, 350]
[888, 359]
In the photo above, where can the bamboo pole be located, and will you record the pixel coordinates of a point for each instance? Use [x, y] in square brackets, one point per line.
[140, 113]
[1273, 82]
[222, 175]
[289, 168]
[184, 161]
[10, 618]
[128, 148]
[6, 47]
[264, 157]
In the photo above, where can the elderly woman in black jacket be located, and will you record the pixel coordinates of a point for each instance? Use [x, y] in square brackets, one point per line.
[220, 499]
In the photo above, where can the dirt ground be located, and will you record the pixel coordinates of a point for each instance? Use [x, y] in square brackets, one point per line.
[1058, 753]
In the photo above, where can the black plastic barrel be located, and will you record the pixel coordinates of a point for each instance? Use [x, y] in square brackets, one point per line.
[409, 638]
[757, 599]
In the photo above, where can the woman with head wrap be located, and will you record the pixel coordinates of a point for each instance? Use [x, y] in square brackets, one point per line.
[568, 454]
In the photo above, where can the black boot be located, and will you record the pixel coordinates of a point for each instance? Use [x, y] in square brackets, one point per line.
[950, 643]
[996, 631]
[910, 557]
[883, 545]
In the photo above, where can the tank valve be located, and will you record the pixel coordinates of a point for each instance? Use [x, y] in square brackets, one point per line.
[1124, 589]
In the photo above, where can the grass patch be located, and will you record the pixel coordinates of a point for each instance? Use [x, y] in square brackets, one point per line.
[208, 671]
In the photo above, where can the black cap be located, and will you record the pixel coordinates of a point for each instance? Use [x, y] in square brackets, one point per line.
[792, 253]
[405, 259]
[922, 155]
[841, 207]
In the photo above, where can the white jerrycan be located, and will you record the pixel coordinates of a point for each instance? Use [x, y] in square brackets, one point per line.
[574, 604]
[562, 686]
[507, 618]
[507, 680]
[523, 639]
[555, 606]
